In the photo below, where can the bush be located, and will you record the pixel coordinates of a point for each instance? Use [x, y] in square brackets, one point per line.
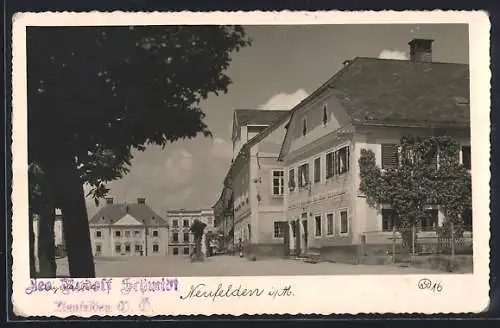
[252, 258]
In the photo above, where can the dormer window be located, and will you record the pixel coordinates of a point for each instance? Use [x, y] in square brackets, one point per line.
[325, 114]
[304, 126]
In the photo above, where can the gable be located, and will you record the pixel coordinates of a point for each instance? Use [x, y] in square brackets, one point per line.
[128, 220]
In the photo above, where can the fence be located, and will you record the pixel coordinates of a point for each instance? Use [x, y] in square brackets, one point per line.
[416, 241]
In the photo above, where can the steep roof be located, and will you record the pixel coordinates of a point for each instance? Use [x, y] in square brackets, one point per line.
[258, 116]
[402, 92]
[114, 212]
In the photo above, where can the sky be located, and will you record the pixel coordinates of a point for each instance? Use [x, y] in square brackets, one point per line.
[284, 64]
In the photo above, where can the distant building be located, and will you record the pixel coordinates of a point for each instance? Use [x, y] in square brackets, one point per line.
[121, 229]
[181, 240]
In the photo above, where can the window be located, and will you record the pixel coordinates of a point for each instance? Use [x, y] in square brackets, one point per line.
[98, 248]
[317, 170]
[175, 223]
[127, 248]
[429, 223]
[185, 223]
[186, 250]
[155, 233]
[118, 233]
[186, 237]
[329, 165]
[156, 248]
[329, 224]
[390, 219]
[342, 160]
[127, 233]
[278, 182]
[175, 237]
[304, 126]
[303, 172]
[98, 234]
[138, 248]
[291, 179]
[325, 114]
[278, 230]
[317, 223]
[118, 248]
[390, 156]
[294, 229]
[137, 233]
[176, 251]
[466, 159]
[344, 224]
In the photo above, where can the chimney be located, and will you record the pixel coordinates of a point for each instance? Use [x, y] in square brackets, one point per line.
[141, 200]
[421, 50]
[109, 200]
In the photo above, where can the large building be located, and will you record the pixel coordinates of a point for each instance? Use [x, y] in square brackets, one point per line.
[181, 240]
[369, 104]
[251, 202]
[121, 229]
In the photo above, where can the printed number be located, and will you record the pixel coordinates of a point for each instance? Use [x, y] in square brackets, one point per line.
[428, 284]
[123, 306]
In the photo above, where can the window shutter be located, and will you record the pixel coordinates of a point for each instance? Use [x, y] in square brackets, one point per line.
[389, 156]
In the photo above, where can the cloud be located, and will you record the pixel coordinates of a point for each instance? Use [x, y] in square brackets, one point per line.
[177, 199]
[178, 167]
[393, 54]
[221, 148]
[284, 101]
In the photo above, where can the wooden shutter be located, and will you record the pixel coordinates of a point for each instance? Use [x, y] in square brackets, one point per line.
[389, 156]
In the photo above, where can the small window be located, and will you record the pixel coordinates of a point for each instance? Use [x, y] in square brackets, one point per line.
[175, 237]
[317, 223]
[304, 126]
[278, 182]
[344, 224]
[138, 248]
[155, 233]
[303, 172]
[291, 179]
[466, 157]
[329, 224]
[185, 223]
[430, 222]
[390, 219]
[294, 229]
[390, 156]
[175, 223]
[278, 230]
[98, 234]
[98, 248]
[341, 160]
[325, 114]
[186, 237]
[118, 248]
[118, 233]
[317, 170]
[186, 251]
[330, 165]
[176, 251]
[156, 248]
[127, 233]
[137, 233]
[127, 248]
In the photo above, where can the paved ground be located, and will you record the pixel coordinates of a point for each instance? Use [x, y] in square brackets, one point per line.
[228, 266]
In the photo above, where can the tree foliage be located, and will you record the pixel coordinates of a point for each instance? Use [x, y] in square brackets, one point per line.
[96, 93]
[429, 173]
[197, 228]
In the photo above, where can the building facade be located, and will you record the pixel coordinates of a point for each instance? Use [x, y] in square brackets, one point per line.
[255, 182]
[181, 239]
[121, 229]
[369, 104]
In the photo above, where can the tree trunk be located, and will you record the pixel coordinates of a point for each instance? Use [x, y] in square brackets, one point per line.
[75, 223]
[46, 245]
[32, 246]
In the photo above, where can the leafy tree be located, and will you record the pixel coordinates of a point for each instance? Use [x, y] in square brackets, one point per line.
[197, 228]
[96, 93]
[429, 173]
